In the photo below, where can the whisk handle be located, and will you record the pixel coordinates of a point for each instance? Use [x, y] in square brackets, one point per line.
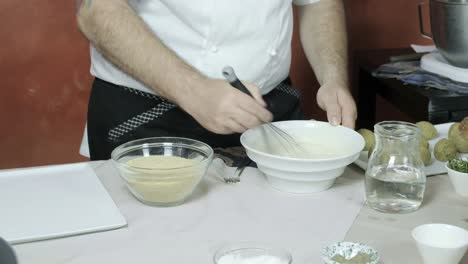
[231, 77]
[240, 86]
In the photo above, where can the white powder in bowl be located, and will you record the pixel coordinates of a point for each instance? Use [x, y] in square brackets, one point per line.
[264, 259]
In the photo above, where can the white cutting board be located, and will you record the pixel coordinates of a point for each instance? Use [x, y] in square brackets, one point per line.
[54, 201]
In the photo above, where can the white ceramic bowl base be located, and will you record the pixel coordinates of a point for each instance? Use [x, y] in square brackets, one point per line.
[332, 149]
[301, 182]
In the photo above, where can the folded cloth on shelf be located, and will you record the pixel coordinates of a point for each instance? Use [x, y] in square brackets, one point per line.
[410, 72]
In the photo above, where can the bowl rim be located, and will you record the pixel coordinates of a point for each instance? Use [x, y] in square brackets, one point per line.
[227, 249]
[452, 171]
[436, 225]
[242, 140]
[115, 154]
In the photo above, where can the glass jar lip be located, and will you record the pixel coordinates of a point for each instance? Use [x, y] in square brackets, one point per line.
[383, 129]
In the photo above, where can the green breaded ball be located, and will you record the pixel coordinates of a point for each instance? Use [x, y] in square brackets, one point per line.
[452, 130]
[445, 150]
[425, 155]
[428, 131]
[460, 143]
[368, 137]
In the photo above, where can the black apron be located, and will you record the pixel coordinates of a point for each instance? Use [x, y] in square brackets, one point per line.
[118, 114]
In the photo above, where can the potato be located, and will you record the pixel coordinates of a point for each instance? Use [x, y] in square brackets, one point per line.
[385, 157]
[428, 131]
[369, 153]
[452, 130]
[464, 128]
[368, 137]
[425, 155]
[445, 150]
[423, 143]
[460, 142]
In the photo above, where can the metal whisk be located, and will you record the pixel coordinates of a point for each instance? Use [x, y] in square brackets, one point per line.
[286, 141]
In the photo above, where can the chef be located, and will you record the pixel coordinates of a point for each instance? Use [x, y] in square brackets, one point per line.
[157, 66]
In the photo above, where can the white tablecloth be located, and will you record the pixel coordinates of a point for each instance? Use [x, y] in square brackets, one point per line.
[390, 234]
[215, 215]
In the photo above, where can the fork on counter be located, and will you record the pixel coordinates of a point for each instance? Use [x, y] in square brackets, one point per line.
[236, 178]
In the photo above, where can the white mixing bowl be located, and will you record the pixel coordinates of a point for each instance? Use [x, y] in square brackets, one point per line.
[331, 149]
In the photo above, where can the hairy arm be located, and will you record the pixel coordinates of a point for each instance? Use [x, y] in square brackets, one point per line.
[124, 39]
[323, 36]
[128, 43]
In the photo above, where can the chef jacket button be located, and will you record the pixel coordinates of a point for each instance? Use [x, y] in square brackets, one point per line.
[272, 52]
[214, 49]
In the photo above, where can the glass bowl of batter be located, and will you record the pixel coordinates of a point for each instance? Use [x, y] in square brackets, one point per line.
[162, 171]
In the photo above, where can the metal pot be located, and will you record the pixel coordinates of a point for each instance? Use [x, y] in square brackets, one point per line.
[449, 25]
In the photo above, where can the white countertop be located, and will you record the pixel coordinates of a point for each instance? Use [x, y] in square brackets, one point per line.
[390, 234]
[219, 213]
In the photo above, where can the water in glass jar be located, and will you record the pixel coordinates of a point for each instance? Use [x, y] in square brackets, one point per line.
[398, 189]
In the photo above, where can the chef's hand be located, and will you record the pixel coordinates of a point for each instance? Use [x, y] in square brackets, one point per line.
[337, 101]
[222, 109]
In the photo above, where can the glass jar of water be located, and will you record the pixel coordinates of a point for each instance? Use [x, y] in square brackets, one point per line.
[395, 179]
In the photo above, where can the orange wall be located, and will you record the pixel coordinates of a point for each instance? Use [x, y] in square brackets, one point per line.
[44, 68]
[45, 83]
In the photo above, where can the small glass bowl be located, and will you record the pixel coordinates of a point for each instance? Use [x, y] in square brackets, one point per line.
[249, 250]
[163, 185]
[348, 250]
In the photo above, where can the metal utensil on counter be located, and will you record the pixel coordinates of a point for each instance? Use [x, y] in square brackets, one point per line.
[237, 173]
[286, 141]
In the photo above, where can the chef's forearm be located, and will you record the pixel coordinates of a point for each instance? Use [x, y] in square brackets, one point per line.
[123, 38]
[323, 36]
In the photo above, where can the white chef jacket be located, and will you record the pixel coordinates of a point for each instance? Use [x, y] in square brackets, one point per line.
[252, 36]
